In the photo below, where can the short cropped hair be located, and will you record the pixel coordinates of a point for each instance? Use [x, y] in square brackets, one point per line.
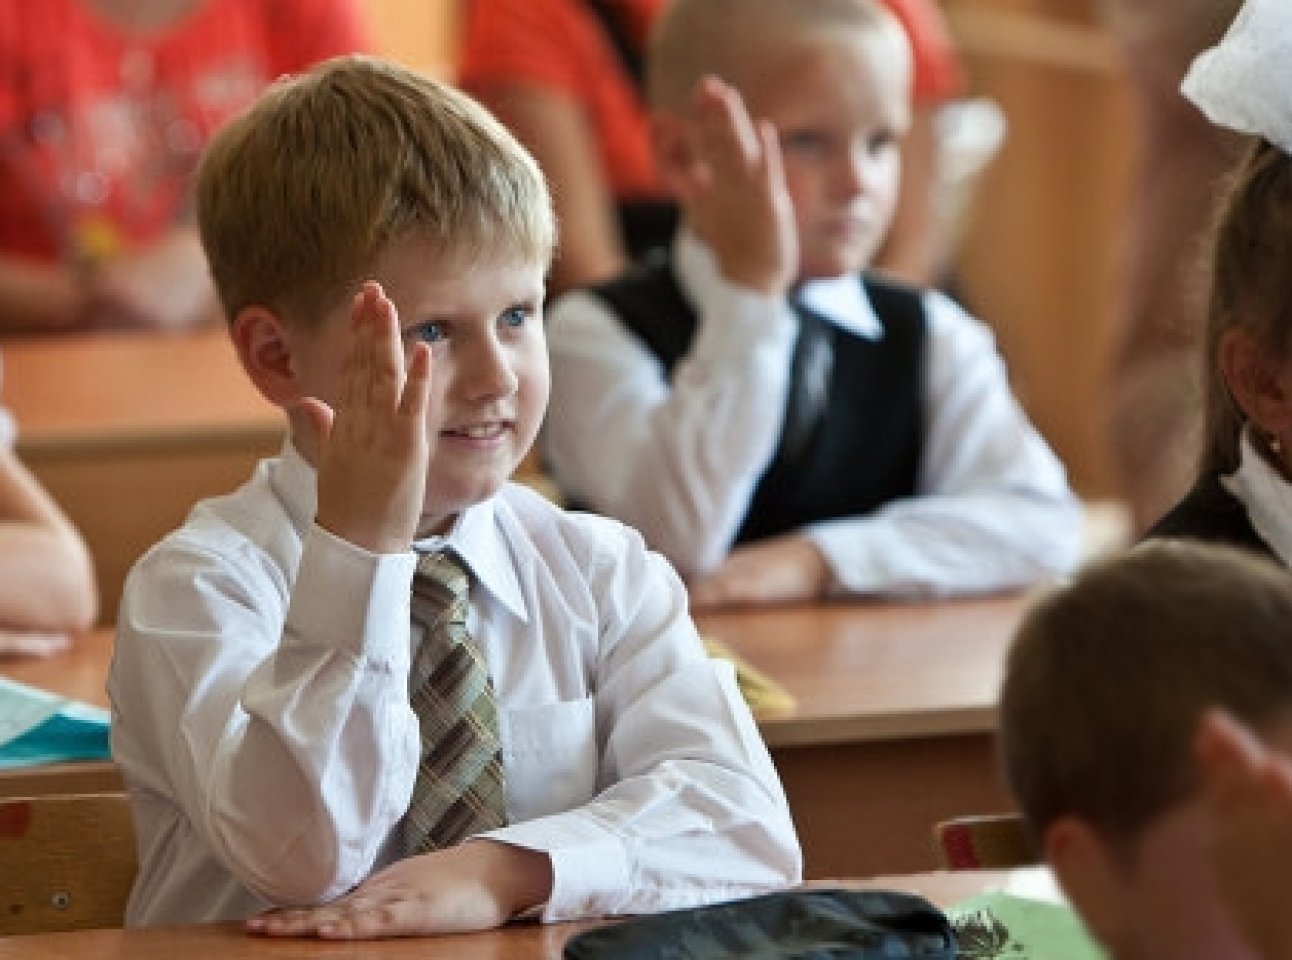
[299, 196]
[1109, 677]
[729, 38]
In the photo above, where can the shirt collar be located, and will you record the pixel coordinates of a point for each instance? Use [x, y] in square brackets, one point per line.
[1267, 497]
[477, 538]
[296, 484]
[841, 300]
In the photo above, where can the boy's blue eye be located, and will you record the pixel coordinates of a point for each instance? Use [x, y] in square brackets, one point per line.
[514, 316]
[426, 332]
[881, 140]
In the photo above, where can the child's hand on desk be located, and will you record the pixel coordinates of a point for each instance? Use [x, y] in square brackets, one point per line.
[1249, 791]
[370, 447]
[777, 570]
[25, 643]
[735, 197]
[478, 885]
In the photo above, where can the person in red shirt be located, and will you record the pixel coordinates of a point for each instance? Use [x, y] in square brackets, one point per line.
[105, 106]
[565, 75]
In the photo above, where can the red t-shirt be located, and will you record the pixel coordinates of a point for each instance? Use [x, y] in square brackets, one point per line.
[100, 130]
[559, 45]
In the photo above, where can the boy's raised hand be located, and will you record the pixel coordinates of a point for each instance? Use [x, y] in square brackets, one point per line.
[1249, 793]
[372, 446]
[735, 195]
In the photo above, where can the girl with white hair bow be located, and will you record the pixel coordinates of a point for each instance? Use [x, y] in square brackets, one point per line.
[1243, 492]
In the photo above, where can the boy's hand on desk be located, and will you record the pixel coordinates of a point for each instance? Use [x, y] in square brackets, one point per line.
[777, 570]
[478, 885]
[25, 643]
[736, 199]
[372, 448]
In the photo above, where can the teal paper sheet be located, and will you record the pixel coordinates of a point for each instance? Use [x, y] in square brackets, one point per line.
[40, 727]
[1001, 926]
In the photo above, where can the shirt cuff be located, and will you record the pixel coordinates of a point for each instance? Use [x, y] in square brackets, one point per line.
[738, 321]
[590, 875]
[352, 600]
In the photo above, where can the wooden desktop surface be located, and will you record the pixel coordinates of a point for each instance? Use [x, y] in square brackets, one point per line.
[528, 941]
[893, 728]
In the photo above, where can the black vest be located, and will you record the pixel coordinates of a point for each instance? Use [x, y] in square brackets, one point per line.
[1212, 514]
[854, 423]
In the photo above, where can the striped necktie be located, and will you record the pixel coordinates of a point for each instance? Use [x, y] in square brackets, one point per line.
[459, 790]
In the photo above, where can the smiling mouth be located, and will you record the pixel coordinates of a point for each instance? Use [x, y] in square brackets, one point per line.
[481, 431]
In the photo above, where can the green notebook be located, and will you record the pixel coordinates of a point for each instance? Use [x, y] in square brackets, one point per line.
[1002, 926]
[37, 726]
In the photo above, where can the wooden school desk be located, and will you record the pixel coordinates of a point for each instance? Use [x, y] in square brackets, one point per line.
[527, 941]
[894, 725]
[893, 728]
[126, 430]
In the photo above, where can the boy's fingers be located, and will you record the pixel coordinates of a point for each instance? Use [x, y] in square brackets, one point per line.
[1223, 742]
[773, 167]
[354, 370]
[728, 141]
[417, 385]
[387, 374]
[311, 422]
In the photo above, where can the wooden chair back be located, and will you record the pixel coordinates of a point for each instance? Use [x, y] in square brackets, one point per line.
[990, 842]
[66, 862]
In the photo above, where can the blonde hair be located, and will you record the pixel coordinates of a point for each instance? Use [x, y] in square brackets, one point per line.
[730, 37]
[299, 196]
[1109, 676]
[1252, 248]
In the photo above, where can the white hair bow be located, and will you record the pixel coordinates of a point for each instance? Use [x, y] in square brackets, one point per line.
[1245, 81]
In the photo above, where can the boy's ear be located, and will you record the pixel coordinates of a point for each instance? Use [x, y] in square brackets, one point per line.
[1256, 382]
[675, 159]
[1086, 870]
[263, 343]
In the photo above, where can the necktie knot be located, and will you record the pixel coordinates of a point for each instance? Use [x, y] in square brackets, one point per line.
[442, 584]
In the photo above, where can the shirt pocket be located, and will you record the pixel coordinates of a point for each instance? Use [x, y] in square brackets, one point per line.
[550, 757]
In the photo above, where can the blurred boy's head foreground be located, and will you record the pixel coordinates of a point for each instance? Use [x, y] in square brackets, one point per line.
[834, 79]
[1104, 690]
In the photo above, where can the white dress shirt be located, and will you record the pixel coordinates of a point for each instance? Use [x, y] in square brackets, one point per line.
[261, 712]
[681, 461]
[1266, 495]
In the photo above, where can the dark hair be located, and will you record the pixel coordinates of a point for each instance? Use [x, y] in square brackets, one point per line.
[1249, 289]
[1109, 676]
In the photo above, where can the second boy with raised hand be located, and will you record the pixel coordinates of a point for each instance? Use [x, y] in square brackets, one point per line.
[262, 687]
[776, 426]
